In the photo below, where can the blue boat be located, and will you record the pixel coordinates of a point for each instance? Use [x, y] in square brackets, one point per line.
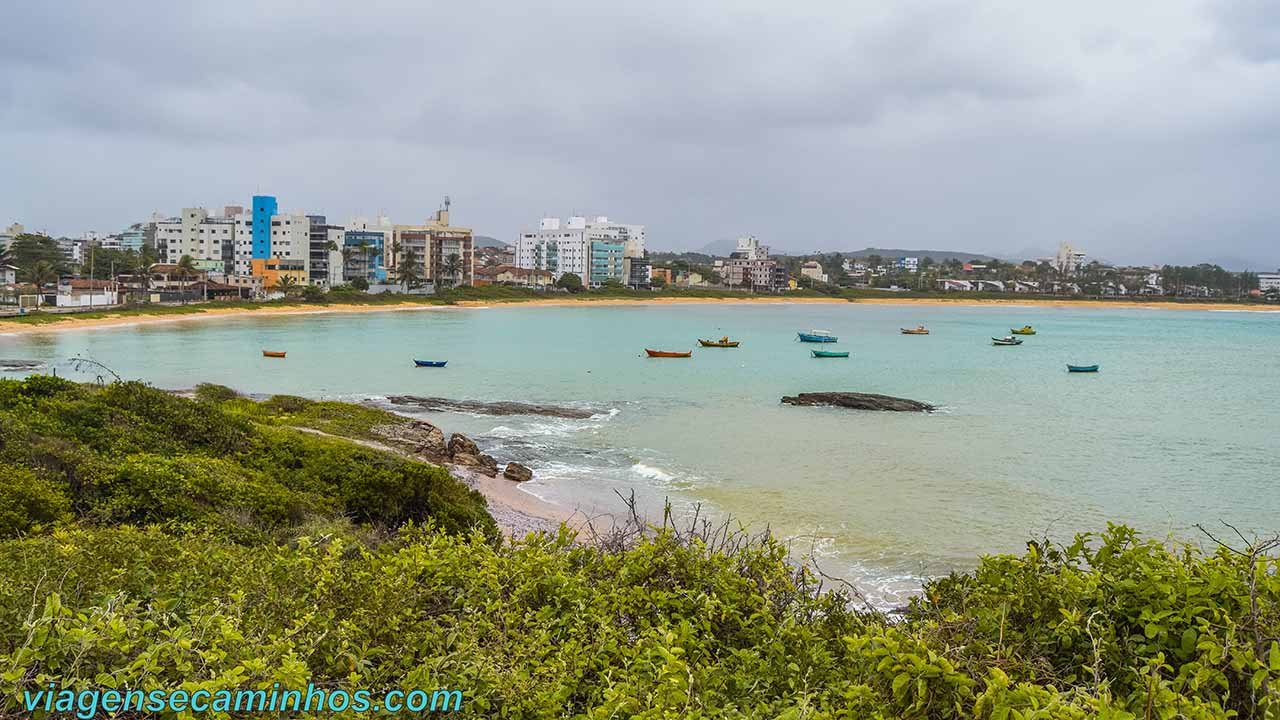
[829, 354]
[816, 336]
[430, 363]
[1082, 368]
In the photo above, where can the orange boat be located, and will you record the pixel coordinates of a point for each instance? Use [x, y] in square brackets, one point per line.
[668, 353]
[273, 353]
[917, 330]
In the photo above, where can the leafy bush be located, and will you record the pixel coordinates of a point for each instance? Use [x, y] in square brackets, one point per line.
[666, 627]
[128, 453]
[29, 503]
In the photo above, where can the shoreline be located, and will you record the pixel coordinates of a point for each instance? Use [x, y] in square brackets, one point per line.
[131, 319]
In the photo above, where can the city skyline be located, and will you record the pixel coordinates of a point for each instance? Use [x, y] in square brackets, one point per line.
[1143, 134]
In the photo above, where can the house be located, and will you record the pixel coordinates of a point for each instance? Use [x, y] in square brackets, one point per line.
[662, 275]
[78, 292]
[949, 285]
[1026, 286]
[512, 275]
[8, 275]
[990, 286]
[813, 270]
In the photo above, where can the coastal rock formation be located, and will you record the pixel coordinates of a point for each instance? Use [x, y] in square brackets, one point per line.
[420, 436]
[464, 451]
[517, 472]
[858, 401]
[436, 404]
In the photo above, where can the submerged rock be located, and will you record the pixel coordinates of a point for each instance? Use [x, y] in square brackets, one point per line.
[436, 404]
[858, 401]
[517, 472]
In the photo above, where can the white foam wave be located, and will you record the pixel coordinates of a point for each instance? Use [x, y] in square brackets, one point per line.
[652, 473]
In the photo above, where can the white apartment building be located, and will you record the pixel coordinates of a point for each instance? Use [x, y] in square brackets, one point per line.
[208, 240]
[1269, 281]
[290, 239]
[1069, 260]
[586, 249]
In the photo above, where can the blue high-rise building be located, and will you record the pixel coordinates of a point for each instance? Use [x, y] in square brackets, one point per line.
[264, 206]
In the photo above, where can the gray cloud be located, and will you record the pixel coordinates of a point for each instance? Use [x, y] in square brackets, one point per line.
[1141, 133]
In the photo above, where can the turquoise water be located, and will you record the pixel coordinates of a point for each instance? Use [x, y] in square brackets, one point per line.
[1179, 426]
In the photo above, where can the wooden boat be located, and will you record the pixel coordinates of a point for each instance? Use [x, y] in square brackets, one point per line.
[917, 330]
[668, 353]
[829, 354]
[723, 342]
[1006, 340]
[1082, 368]
[1024, 330]
[430, 363]
[816, 336]
[273, 353]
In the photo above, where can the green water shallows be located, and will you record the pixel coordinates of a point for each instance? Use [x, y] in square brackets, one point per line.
[1178, 427]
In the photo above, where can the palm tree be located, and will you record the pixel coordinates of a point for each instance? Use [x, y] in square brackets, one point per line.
[452, 267]
[186, 268]
[285, 284]
[364, 254]
[407, 269]
[347, 252]
[42, 273]
[396, 248]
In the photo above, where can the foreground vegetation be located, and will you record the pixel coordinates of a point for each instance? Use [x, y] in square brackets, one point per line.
[158, 542]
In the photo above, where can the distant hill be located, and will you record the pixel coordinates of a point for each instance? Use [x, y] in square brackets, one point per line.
[937, 255]
[486, 241]
[718, 248]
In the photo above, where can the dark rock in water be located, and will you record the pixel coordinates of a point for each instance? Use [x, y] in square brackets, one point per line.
[420, 436]
[464, 451]
[484, 408]
[858, 401]
[17, 365]
[517, 472]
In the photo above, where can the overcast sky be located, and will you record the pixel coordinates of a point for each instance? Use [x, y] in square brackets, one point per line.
[1139, 131]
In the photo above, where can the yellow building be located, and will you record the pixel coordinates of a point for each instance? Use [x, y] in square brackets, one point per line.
[272, 269]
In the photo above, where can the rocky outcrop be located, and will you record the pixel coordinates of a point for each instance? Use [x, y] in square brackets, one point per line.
[464, 451]
[419, 436]
[858, 401]
[435, 404]
[517, 472]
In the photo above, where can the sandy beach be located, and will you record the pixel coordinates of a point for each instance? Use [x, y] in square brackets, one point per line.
[128, 319]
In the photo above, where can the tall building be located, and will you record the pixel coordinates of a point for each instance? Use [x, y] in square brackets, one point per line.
[263, 210]
[594, 251]
[208, 240]
[443, 254]
[1069, 260]
[320, 255]
[749, 266]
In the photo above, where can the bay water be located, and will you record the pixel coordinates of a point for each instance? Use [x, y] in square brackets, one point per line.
[1181, 425]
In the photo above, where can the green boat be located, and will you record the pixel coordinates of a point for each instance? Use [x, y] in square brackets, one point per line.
[829, 354]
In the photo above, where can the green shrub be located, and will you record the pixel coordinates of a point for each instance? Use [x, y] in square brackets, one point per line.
[210, 392]
[29, 503]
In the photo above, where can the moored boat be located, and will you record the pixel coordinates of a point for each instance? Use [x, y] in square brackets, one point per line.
[1024, 330]
[273, 353]
[917, 330]
[829, 354]
[1006, 340]
[817, 336]
[430, 363]
[723, 342]
[1082, 368]
[668, 353]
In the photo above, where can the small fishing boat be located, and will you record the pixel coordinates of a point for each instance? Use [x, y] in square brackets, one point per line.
[1006, 340]
[668, 353]
[430, 363]
[1024, 330]
[817, 336]
[723, 342]
[917, 330]
[829, 354]
[273, 353]
[1082, 368]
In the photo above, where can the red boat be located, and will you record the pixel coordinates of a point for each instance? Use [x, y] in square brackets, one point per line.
[668, 353]
[272, 353]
